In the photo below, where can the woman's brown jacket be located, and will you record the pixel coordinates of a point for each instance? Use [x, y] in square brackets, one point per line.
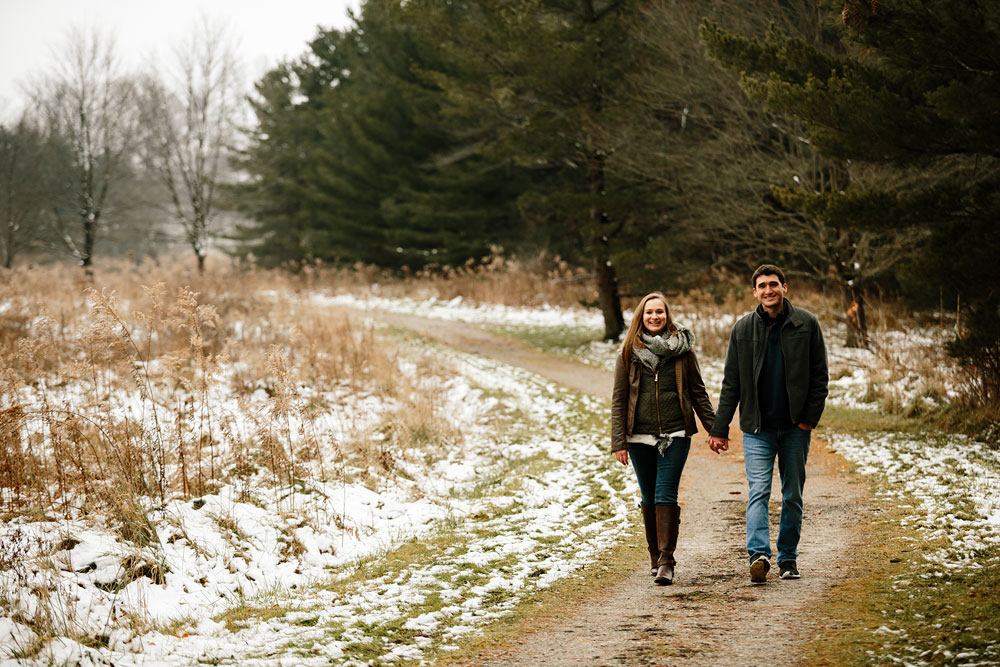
[690, 390]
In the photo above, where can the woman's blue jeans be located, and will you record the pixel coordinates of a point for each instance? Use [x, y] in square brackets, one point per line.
[791, 446]
[659, 476]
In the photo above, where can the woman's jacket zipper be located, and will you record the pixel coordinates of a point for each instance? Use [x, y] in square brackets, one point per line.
[656, 394]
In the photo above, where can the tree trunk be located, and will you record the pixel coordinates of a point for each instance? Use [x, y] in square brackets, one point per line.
[607, 296]
[87, 260]
[857, 326]
[8, 250]
[604, 272]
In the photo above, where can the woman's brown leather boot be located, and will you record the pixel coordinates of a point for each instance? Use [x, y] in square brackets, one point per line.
[668, 519]
[649, 523]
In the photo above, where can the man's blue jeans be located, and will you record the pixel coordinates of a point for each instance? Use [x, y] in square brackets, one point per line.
[791, 446]
[659, 476]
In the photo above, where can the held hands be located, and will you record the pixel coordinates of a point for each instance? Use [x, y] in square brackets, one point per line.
[718, 445]
[622, 456]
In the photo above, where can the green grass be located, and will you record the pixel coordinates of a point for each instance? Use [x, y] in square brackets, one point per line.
[248, 613]
[853, 421]
[550, 606]
[887, 586]
[980, 422]
[374, 639]
[892, 605]
[559, 340]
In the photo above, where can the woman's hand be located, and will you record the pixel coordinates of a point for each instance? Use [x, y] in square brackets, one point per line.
[622, 456]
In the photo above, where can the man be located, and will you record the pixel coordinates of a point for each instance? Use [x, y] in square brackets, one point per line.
[776, 372]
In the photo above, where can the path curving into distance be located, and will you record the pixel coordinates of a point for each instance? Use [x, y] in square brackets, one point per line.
[712, 615]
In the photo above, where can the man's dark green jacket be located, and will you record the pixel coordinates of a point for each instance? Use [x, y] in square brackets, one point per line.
[806, 374]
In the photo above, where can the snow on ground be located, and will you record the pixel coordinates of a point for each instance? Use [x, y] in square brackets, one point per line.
[516, 509]
[953, 480]
[949, 486]
[894, 370]
[954, 472]
[510, 511]
[458, 310]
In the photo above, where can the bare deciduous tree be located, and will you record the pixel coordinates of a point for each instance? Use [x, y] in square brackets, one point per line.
[852, 257]
[192, 121]
[89, 102]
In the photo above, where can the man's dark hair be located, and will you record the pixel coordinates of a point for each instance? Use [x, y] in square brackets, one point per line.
[767, 270]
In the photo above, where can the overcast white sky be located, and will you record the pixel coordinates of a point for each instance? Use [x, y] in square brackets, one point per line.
[266, 32]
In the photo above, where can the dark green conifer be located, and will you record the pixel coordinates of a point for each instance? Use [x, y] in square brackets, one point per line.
[915, 93]
[381, 176]
[546, 81]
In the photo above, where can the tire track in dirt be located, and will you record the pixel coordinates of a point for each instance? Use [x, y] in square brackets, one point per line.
[712, 615]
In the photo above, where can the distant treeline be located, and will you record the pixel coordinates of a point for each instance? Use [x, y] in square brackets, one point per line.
[655, 142]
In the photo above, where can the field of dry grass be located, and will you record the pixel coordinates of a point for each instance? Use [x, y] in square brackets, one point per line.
[154, 386]
[154, 383]
[117, 384]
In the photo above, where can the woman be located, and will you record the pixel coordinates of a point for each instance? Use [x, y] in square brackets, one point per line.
[658, 388]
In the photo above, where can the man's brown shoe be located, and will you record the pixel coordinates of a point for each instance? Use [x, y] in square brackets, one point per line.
[759, 566]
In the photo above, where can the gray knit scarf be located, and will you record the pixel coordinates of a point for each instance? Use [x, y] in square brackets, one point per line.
[660, 349]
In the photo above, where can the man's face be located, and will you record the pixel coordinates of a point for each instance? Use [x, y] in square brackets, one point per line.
[770, 291]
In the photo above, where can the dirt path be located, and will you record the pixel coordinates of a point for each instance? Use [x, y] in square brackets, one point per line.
[712, 615]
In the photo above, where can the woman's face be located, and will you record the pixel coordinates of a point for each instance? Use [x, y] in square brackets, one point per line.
[654, 316]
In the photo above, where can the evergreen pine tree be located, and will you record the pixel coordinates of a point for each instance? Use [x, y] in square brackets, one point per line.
[547, 81]
[280, 232]
[914, 93]
[380, 176]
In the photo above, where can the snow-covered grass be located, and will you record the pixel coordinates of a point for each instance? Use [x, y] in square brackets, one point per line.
[275, 486]
[946, 486]
[949, 481]
[943, 491]
[507, 513]
[386, 549]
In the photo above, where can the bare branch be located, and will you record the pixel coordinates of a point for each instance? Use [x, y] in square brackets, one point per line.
[193, 120]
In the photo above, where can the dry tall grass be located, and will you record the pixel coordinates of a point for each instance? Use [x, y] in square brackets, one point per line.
[157, 382]
[496, 278]
[151, 379]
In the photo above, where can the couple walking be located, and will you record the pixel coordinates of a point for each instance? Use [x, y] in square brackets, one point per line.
[776, 373]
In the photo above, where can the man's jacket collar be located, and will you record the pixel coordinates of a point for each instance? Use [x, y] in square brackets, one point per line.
[789, 313]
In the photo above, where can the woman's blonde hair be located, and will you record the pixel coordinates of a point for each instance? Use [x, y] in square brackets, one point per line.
[636, 327]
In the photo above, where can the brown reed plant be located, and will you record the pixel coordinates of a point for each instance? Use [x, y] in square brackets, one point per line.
[279, 439]
[80, 453]
[21, 473]
[118, 397]
[494, 278]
